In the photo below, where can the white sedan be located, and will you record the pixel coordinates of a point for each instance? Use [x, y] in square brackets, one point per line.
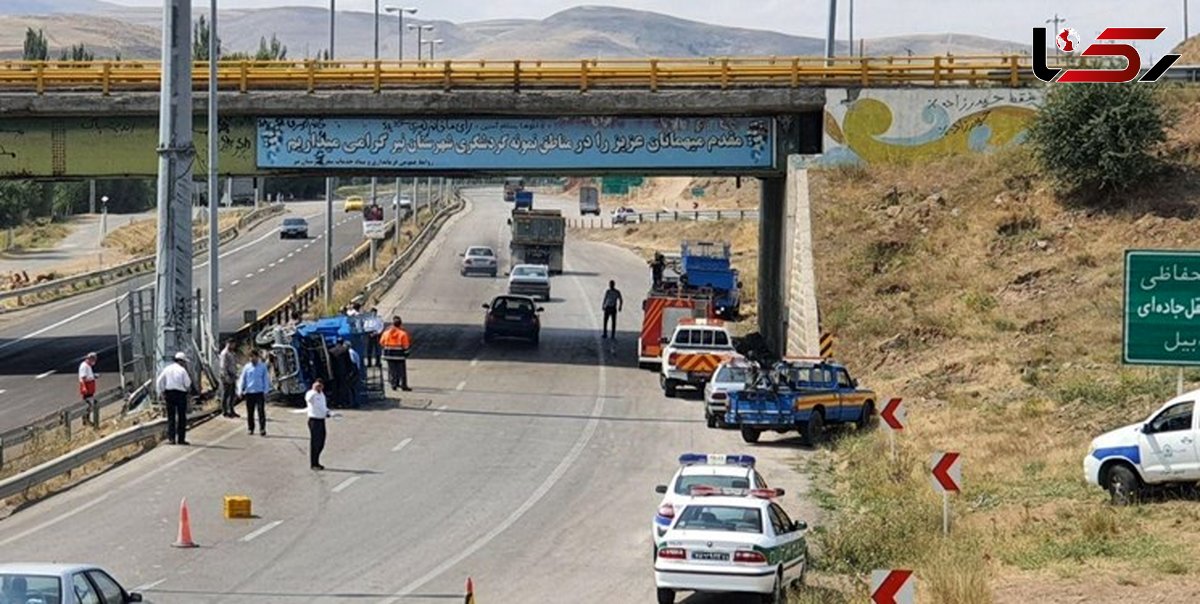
[731, 541]
[61, 584]
[730, 376]
[703, 469]
[530, 280]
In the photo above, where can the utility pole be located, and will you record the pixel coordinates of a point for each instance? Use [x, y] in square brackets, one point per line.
[832, 31]
[375, 179]
[214, 194]
[1056, 20]
[851, 20]
[328, 293]
[92, 196]
[173, 256]
[1185, 20]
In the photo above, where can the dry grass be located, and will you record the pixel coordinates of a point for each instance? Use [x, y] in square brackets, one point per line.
[41, 234]
[140, 237]
[345, 289]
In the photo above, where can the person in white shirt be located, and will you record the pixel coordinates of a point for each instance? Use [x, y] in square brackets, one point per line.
[318, 411]
[173, 384]
[87, 378]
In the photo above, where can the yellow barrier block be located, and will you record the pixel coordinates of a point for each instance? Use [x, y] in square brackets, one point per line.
[237, 506]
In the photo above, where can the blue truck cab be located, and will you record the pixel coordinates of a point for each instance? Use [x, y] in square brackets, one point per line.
[302, 353]
[799, 394]
[523, 200]
[708, 265]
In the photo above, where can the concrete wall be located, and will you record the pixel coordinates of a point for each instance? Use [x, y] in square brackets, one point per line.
[876, 125]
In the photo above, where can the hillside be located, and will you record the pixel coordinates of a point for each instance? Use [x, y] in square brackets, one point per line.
[584, 31]
[994, 309]
[1190, 49]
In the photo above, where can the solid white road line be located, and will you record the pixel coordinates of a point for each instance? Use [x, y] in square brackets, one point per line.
[260, 532]
[234, 282]
[440, 410]
[403, 443]
[44, 375]
[149, 586]
[345, 484]
[461, 385]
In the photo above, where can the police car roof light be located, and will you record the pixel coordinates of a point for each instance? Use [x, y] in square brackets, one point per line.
[688, 459]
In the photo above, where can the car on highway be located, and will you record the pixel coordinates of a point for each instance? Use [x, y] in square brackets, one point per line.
[703, 469]
[1157, 451]
[43, 583]
[402, 202]
[512, 317]
[293, 227]
[730, 376]
[728, 540]
[624, 216]
[478, 259]
[530, 280]
[353, 203]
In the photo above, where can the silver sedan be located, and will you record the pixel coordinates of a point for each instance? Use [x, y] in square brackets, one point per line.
[40, 583]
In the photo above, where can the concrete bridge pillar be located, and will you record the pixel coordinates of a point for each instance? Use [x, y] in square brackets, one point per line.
[771, 255]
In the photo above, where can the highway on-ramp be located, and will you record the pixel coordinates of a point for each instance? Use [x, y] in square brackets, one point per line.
[529, 469]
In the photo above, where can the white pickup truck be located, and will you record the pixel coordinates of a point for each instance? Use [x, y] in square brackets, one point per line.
[1158, 451]
[693, 352]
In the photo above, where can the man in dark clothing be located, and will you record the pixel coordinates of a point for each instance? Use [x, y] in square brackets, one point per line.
[612, 305]
[657, 266]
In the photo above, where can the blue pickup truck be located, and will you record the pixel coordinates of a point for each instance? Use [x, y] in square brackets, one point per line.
[802, 395]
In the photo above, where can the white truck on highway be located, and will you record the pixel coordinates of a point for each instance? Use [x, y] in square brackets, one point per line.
[1160, 450]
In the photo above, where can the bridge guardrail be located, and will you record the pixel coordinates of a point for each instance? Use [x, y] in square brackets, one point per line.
[120, 272]
[309, 75]
[664, 216]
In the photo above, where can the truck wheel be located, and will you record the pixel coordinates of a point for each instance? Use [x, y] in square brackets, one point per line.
[750, 435]
[669, 388]
[666, 596]
[814, 431]
[864, 419]
[1122, 484]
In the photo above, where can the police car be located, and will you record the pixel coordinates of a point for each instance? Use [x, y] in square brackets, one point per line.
[1161, 450]
[731, 541]
[703, 469]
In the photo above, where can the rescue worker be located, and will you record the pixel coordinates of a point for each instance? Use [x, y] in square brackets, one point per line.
[87, 379]
[229, 379]
[173, 384]
[395, 343]
[253, 386]
[318, 412]
[612, 305]
[657, 266]
[374, 328]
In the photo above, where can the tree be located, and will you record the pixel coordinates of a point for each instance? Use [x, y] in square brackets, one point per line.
[200, 33]
[18, 199]
[1099, 138]
[36, 48]
[274, 51]
[77, 52]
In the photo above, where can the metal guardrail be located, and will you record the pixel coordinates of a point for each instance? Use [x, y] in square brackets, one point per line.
[404, 260]
[123, 271]
[107, 77]
[663, 216]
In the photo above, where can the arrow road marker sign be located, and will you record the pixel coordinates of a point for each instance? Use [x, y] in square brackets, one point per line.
[892, 587]
[947, 472]
[894, 414]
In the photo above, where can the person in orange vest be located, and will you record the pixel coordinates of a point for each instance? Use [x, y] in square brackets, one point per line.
[395, 343]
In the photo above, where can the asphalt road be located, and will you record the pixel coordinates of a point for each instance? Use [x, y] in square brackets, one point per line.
[531, 470]
[40, 348]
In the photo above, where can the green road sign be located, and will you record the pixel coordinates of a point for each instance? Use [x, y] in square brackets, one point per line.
[697, 191]
[1162, 308]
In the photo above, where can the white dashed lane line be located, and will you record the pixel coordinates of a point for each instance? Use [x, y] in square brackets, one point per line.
[234, 282]
[345, 484]
[262, 531]
[440, 410]
[403, 443]
[44, 375]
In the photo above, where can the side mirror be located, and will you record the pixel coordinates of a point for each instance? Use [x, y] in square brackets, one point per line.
[780, 492]
[540, 309]
[510, 221]
[661, 489]
[854, 382]
[487, 306]
[740, 285]
[664, 340]
[134, 597]
[800, 525]
[1147, 428]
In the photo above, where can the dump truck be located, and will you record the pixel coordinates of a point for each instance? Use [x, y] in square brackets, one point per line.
[706, 265]
[512, 186]
[537, 238]
[589, 200]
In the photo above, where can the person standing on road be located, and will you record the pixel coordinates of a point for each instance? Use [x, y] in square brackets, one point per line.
[318, 412]
[229, 379]
[374, 328]
[395, 343]
[253, 386]
[173, 385]
[613, 303]
[87, 379]
[657, 266]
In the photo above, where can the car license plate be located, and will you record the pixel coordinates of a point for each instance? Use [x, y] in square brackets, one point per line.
[512, 317]
[721, 556]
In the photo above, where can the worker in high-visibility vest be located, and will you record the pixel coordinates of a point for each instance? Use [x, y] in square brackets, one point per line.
[395, 343]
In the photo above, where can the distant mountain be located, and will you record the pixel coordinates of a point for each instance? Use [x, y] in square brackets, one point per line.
[580, 32]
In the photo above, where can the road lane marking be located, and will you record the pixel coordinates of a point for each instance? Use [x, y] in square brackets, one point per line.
[440, 410]
[561, 470]
[149, 586]
[260, 532]
[461, 385]
[403, 443]
[271, 265]
[234, 282]
[53, 521]
[3, 391]
[298, 411]
[345, 484]
[474, 362]
[45, 375]
[290, 254]
[249, 275]
[220, 290]
[262, 269]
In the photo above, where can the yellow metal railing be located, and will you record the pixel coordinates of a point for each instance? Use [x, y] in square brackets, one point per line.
[652, 74]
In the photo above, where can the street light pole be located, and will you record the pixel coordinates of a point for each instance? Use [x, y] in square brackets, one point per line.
[400, 10]
[831, 32]
[328, 293]
[420, 29]
[431, 44]
[214, 304]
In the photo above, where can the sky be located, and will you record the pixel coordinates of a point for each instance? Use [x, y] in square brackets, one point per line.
[1004, 19]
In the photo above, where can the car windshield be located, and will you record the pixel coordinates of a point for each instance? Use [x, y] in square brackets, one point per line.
[512, 306]
[29, 588]
[479, 251]
[685, 483]
[294, 221]
[529, 271]
[731, 374]
[720, 518]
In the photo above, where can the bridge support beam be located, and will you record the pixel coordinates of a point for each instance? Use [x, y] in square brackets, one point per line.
[176, 154]
[772, 213]
[801, 327]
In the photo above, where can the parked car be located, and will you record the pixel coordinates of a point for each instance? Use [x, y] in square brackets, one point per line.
[730, 376]
[293, 226]
[353, 203]
[478, 259]
[44, 583]
[1158, 451]
[530, 280]
[623, 216]
[512, 317]
[703, 469]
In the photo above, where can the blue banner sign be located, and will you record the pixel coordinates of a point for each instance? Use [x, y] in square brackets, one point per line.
[517, 143]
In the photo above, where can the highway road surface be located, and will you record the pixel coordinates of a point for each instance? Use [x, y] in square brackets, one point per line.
[529, 469]
[41, 347]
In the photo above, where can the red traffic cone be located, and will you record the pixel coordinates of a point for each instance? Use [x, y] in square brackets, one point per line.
[185, 527]
[470, 597]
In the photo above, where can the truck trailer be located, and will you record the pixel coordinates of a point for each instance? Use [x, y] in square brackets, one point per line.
[537, 238]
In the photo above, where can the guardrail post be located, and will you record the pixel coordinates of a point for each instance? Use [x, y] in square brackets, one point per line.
[1, 452]
[516, 77]
[41, 72]
[378, 78]
[865, 72]
[724, 73]
[105, 78]
[937, 71]
[447, 78]
[1014, 71]
[311, 69]
[796, 72]
[583, 75]
[66, 421]
[243, 85]
[653, 75]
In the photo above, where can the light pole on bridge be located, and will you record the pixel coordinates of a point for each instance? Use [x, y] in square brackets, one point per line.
[328, 289]
[431, 44]
[214, 302]
[399, 10]
[420, 29]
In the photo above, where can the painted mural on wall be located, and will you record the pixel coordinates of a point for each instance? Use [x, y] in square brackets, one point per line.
[901, 126]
